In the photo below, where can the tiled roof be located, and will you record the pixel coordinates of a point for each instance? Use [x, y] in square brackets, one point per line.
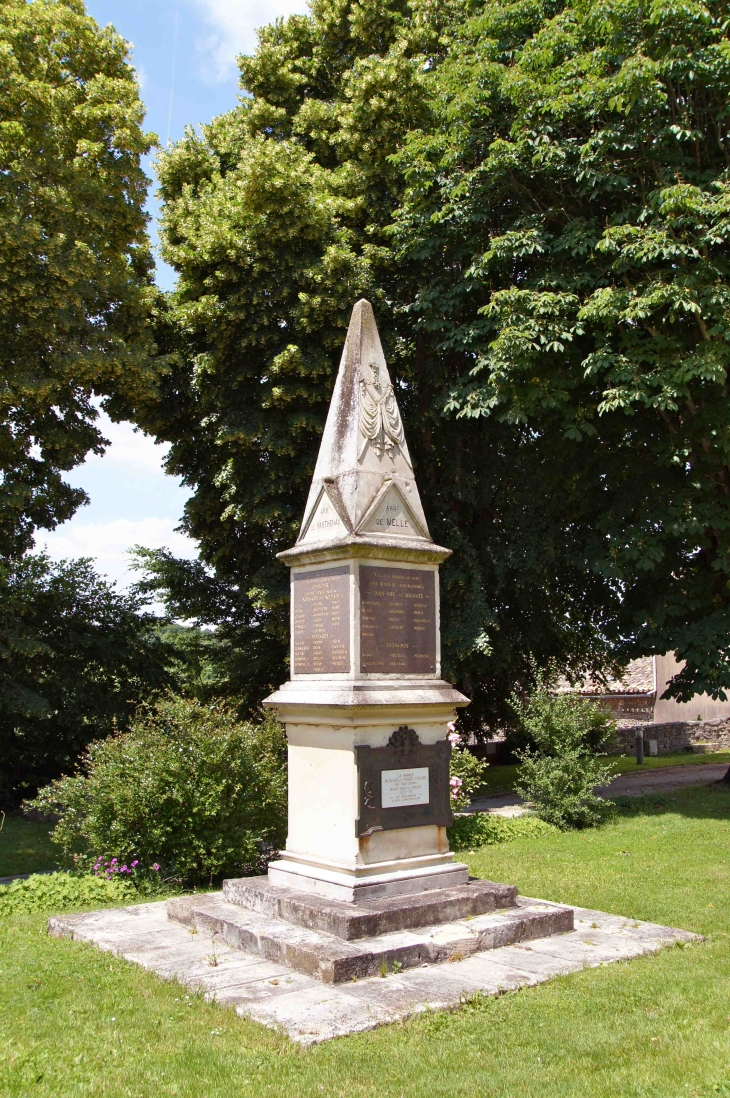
[638, 678]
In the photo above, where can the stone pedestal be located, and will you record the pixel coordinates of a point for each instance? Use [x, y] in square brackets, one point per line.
[327, 853]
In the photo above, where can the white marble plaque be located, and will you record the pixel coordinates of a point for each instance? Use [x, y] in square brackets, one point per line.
[402, 787]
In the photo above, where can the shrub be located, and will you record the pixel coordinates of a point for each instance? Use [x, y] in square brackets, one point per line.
[189, 788]
[559, 772]
[544, 717]
[466, 772]
[61, 891]
[483, 829]
[561, 788]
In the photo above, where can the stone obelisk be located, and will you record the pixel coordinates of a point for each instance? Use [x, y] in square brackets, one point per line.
[365, 709]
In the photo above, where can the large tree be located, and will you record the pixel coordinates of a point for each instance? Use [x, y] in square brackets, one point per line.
[76, 658]
[570, 203]
[277, 217]
[75, 282]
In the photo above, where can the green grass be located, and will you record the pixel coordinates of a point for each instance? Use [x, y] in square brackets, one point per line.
[74, 1021]
[501, 779]
[25, 846]
[626, 764]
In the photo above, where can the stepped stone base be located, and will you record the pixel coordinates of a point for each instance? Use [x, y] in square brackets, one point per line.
[368, 919]
[310, 1011]
[335, 960]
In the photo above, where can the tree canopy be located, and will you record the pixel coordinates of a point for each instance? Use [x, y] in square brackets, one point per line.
[75, 284]
[533, 195]
[278, 216]
[570, 207]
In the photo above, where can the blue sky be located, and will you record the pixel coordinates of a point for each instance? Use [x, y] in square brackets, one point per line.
[185, 54]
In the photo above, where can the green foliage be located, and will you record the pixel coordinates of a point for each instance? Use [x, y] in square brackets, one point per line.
[561, 787]
[277, 218]
[466, 772]
[199, 661]
[483, 829]
[76, 656]
[61, 892]
[75, 286]
[560, 766]
[552, 721]
[188, 787]
[569, 205]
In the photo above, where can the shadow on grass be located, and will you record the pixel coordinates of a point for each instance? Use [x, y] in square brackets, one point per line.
[696, 802]
[26, 847]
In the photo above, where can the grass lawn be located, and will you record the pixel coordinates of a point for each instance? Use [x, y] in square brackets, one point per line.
[25, 846]
[74, 1021]
[501, 779]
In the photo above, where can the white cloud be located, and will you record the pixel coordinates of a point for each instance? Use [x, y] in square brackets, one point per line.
[233, 26]
[129, 447]
[109, 543]
[132, 502]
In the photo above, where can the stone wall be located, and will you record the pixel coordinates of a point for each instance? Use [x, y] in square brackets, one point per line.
[674, 738]
[638, 708]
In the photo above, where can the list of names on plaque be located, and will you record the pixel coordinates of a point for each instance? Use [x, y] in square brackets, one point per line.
[397, 620]
[321, 621]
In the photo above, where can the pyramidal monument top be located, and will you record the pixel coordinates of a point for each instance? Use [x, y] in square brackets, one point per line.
[364, 491]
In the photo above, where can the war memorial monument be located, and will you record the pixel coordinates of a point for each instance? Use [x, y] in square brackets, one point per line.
[366, 886]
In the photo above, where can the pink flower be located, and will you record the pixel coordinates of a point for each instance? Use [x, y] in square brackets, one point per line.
[135, 862]
[113, 861]
[155, 866]
[451, 726]
[456, 784]
[454, 738]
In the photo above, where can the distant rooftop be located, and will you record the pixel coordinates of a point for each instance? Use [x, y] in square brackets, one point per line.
[638, 678]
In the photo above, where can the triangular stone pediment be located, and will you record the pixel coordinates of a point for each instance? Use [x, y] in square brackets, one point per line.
[391, 516]
[363, 447]
[325, 521]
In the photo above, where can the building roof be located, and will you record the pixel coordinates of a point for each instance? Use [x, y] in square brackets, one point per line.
[637, 679]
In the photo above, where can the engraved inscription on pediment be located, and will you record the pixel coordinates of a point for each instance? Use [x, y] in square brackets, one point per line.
[325, 522]
[392, 516]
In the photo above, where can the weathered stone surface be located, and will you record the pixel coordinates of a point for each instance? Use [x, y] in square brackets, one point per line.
[335, 960]
[366, 920]
[311, 1011]
[673, 737]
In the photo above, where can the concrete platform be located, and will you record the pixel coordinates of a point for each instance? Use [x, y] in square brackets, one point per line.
[310, 1011]
[335, 961]
[372, 917]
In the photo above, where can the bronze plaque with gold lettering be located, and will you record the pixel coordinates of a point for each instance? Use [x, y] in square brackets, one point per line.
[321, 621]
[397, 620]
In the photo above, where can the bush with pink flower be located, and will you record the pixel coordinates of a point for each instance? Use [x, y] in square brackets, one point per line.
[190, 794]
[466, 771]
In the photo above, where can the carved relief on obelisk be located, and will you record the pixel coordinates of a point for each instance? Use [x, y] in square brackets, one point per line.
[363, 484]
[380, 422]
